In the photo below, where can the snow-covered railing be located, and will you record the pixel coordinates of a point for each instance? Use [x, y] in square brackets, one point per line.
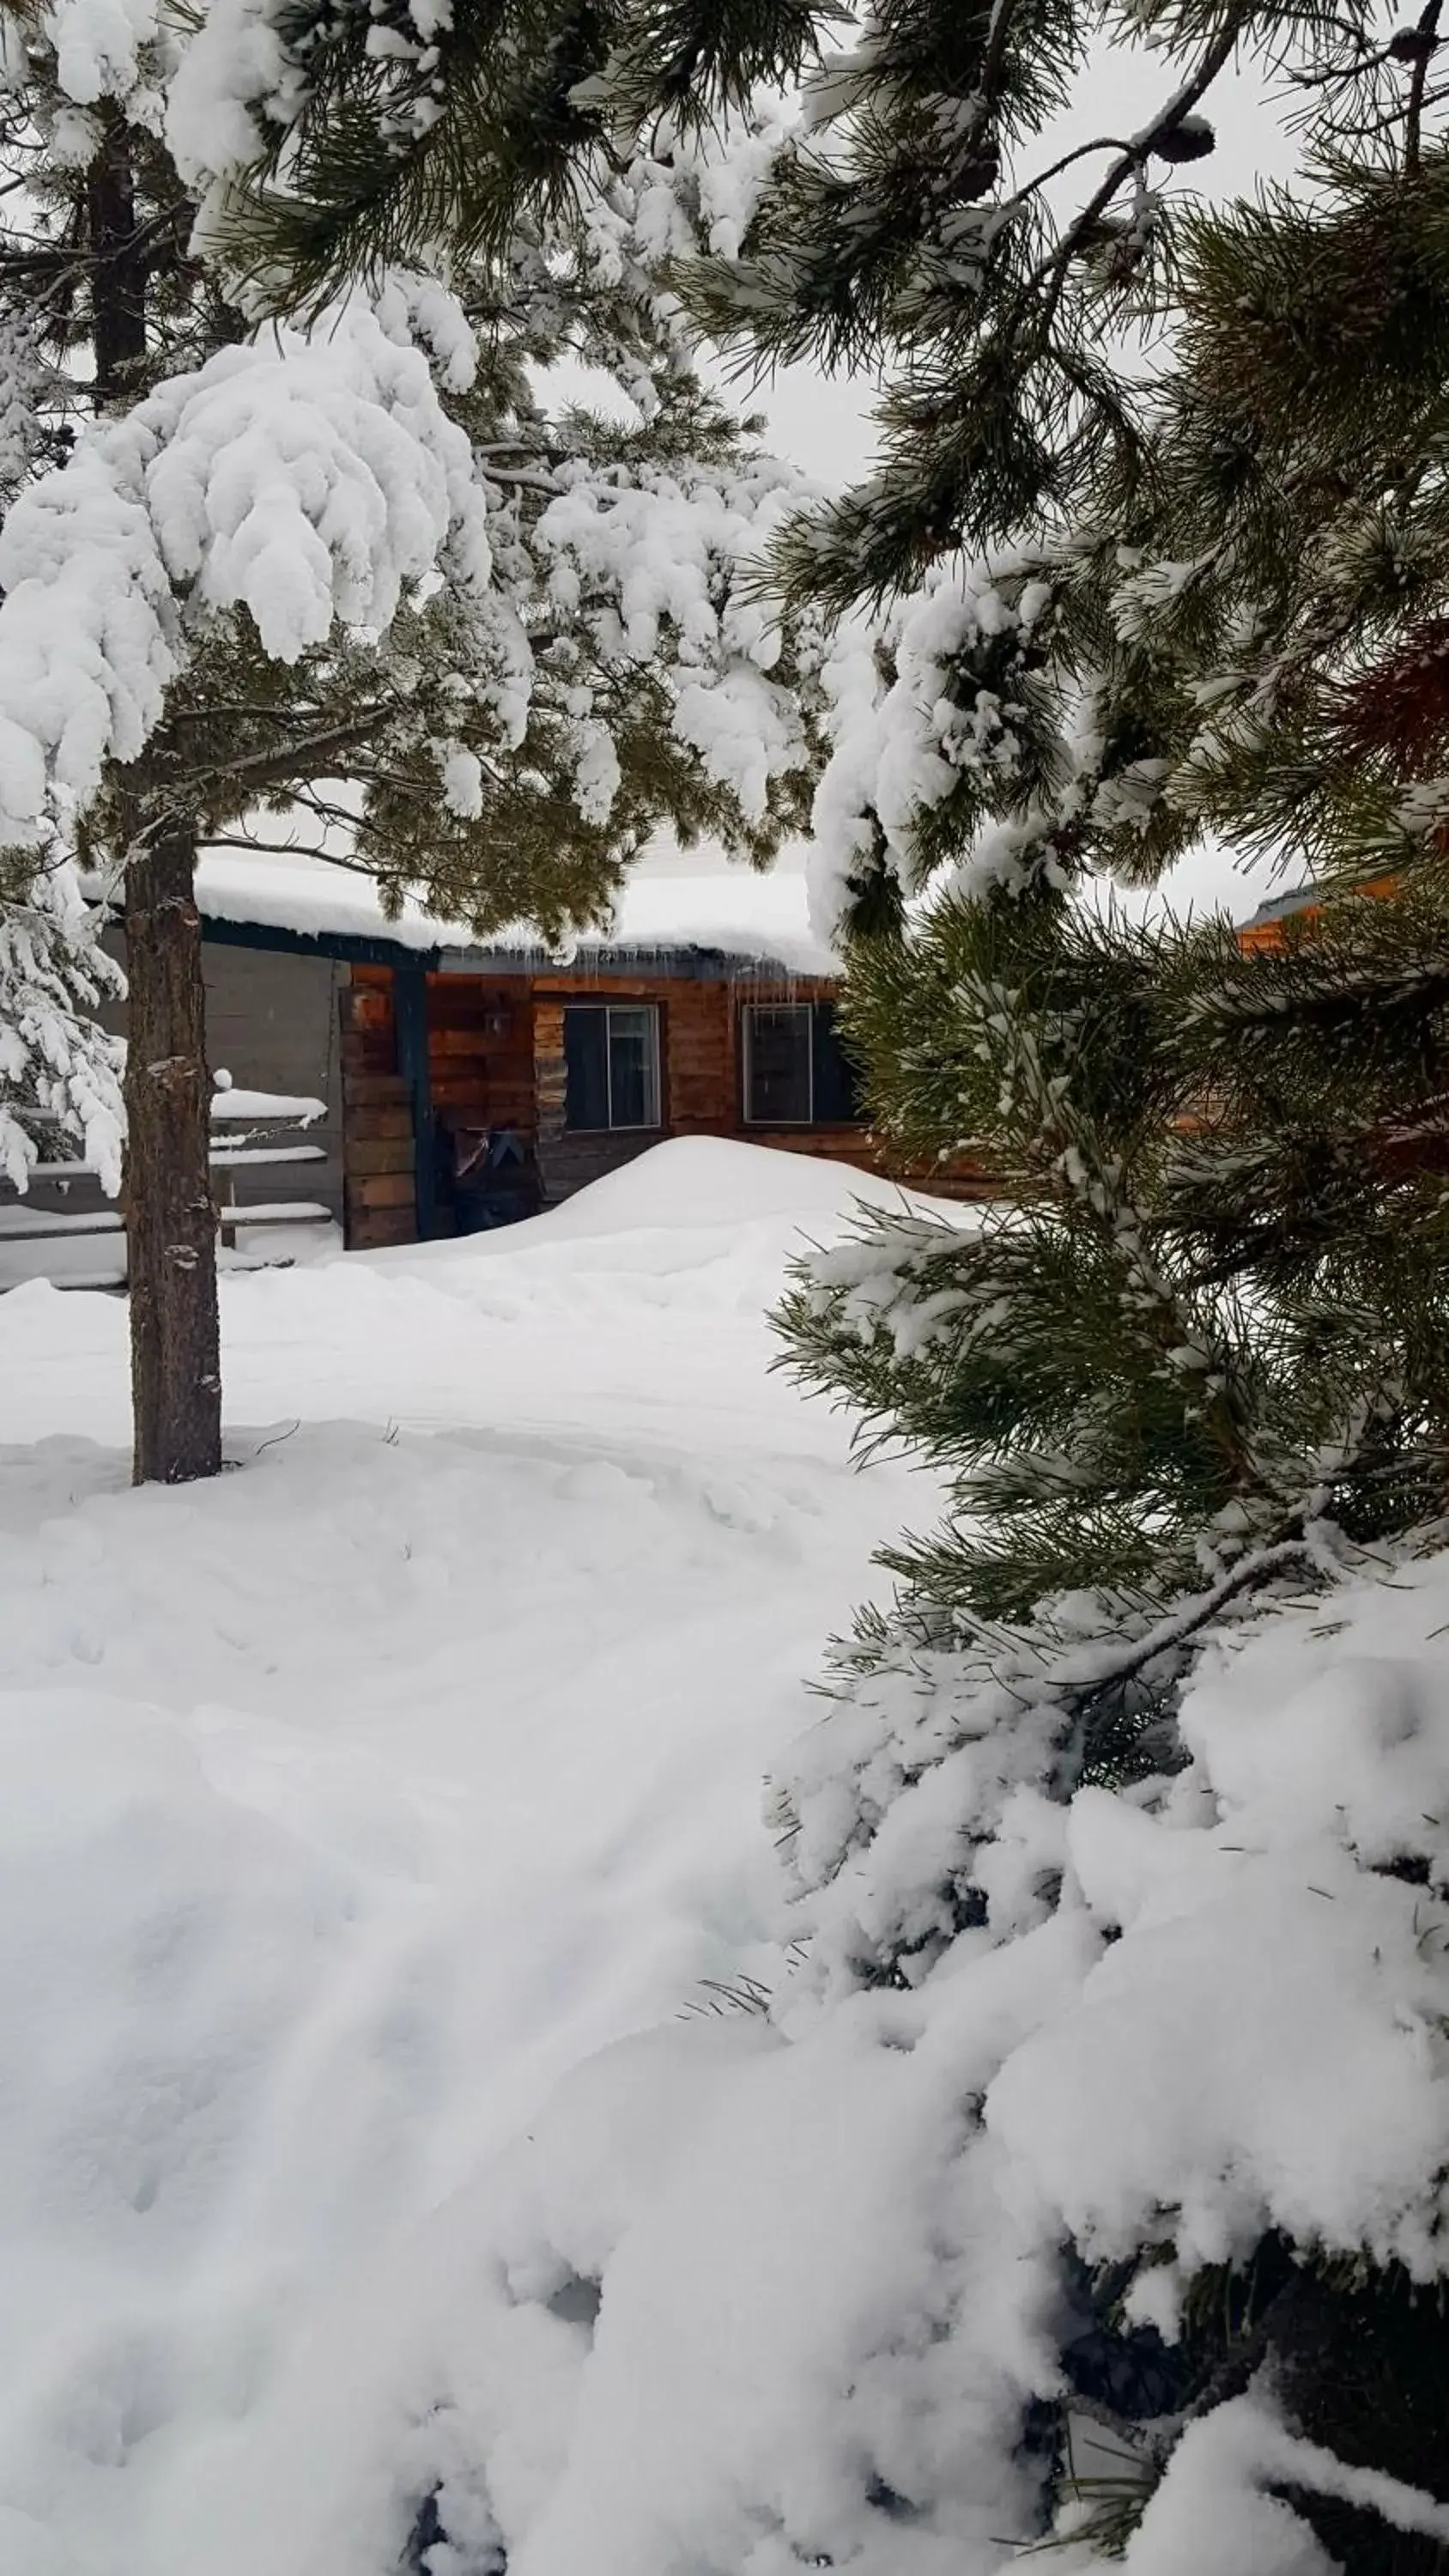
[246, 1127]
[243, 1127]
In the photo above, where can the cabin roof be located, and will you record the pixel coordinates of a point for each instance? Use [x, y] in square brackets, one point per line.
[1301, 902]
[1278, 907]
[686, 921]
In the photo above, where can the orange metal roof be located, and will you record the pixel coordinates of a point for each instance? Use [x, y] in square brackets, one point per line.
[1265, 930]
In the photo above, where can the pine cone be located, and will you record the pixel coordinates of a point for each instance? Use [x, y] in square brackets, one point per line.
[1190, 139]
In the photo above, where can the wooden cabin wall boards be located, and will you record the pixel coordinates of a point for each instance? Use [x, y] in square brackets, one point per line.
[587, 1069]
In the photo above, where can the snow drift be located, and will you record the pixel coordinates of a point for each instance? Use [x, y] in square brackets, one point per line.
[355, 1799]
[435, 2129]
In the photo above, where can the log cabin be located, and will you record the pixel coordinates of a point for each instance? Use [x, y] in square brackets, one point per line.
[1302, 903]
[469, 1083]
[480, 1082]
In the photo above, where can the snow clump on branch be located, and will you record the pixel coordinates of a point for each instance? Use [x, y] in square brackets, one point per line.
[311, 482]
[636, 558]
[929, 709]
[319, 482]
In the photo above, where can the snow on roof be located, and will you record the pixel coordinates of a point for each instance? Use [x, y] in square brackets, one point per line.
[733, 910]
[682, 902]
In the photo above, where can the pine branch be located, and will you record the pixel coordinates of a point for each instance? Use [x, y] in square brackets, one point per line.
[1427, 31]
[1214, 62]
[301, 759]
[1187, 1619]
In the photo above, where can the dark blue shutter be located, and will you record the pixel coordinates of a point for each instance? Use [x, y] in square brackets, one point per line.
[586, 1055]
[777, 1065]
[837, 1084]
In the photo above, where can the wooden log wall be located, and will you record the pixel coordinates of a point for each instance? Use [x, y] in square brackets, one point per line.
[555, 1148]
[701, 1083]
[480, 1067]
[378, 1179]
[852, 1144]
[480, 1061]
[480, 1050]
[496, 1059]
[698, 1073]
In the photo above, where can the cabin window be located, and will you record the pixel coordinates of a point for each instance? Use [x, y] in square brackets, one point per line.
[796, 1072]
[611, 1051]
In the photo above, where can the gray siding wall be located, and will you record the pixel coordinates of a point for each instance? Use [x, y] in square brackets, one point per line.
[272, 1020]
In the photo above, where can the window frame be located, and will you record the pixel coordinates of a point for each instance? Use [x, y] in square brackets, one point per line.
[654, 1069]
[748, 1014]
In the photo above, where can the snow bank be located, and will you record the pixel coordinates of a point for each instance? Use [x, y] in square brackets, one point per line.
[699, 1183]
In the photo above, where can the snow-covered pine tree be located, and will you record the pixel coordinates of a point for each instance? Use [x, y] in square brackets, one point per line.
[362, 580]
[1199, 1365]
[59, 1072]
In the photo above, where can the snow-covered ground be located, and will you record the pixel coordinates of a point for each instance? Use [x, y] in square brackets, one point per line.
[379, 2193]
[354, 1799]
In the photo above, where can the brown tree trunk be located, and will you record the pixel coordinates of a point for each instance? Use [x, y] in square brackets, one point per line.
[170, 1218]
[170, 1214]
[118, 266]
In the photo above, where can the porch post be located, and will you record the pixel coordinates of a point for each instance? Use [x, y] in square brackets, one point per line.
[550, 1085]
[410, 1005]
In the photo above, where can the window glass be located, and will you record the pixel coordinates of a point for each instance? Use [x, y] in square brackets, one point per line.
[611, 1053]
[633, 1069]
[777, 1064]
[837, 1085]
[586, 1101]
